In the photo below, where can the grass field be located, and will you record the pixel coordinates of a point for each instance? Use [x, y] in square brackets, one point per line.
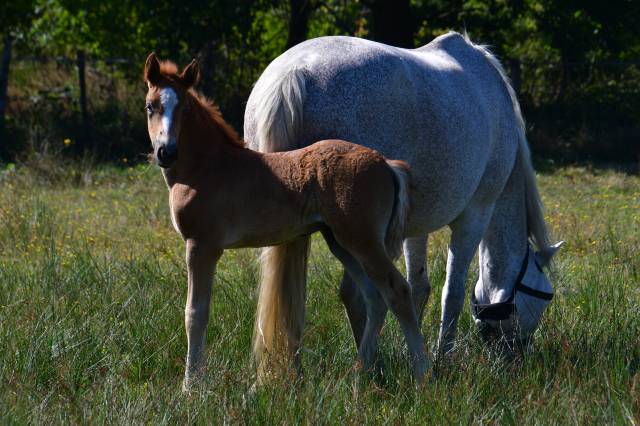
[92, 287]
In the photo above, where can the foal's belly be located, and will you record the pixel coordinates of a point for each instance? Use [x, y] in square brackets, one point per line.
[268, 237]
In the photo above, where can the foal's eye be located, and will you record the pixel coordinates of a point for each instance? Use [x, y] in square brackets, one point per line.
[149, 109]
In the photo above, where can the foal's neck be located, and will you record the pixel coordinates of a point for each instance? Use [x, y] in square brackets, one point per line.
[203, 146]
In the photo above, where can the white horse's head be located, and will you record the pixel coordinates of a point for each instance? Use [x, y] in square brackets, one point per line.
[514, 309]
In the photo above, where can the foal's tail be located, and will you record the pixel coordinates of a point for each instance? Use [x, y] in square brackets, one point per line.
[401, 207]
[281, 301]
[537, 227]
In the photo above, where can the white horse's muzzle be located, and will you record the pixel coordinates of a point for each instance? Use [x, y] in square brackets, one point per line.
[520, 314]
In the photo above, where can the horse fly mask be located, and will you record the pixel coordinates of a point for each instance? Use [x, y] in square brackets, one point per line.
[532, 293]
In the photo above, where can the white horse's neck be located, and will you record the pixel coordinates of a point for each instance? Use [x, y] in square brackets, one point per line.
[504, 246]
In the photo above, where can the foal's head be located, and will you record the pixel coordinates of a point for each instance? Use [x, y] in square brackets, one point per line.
[165, 104]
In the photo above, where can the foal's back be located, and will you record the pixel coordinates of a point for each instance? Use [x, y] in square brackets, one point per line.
[332, 168]
[349, 186]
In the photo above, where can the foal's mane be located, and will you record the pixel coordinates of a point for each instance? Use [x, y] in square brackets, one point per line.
[214, 113]
[169, 72]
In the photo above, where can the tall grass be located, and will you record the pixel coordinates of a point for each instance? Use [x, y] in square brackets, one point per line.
[92, 286]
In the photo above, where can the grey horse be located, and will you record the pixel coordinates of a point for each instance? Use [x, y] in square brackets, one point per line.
[447, 109]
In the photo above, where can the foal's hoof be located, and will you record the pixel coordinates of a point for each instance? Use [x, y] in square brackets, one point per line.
[377, 372]
[187, 386]
[249, 397]
[424, 374]
[192, 383]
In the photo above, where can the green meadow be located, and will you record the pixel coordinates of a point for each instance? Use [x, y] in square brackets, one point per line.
[92, 289]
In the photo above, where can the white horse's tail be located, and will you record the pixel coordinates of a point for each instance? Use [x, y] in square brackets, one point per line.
[399, 216]
[279, 111]
[281, 300]
[537, 227]
[281, 306]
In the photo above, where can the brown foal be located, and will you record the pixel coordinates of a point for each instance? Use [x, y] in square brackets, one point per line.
[223, 195]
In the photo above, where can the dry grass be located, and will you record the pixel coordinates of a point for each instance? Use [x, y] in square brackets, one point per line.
[92, 285]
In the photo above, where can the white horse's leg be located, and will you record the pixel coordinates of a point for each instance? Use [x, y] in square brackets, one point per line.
[201, 261]
[466, 232]
[415, 255]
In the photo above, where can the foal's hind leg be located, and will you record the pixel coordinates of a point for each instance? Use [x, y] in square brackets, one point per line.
[354, 304]
[369, 303]
[415, 255]
[395, 291]
[397, 294]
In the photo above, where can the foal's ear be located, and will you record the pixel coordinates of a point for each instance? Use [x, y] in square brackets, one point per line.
[191, 74]
[544, 256]
[152, 69]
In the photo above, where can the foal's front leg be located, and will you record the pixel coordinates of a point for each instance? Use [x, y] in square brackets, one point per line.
[201, 262]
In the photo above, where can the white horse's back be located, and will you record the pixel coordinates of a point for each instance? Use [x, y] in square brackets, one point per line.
[442, 105]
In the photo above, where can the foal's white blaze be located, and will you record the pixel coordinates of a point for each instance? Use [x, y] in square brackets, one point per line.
[168, 100]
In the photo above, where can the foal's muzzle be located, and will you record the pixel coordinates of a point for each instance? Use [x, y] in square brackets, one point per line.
[166, 155]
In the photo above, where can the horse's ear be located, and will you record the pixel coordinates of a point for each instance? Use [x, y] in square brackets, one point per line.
[152, 69]
[191, 74]
[545, 255]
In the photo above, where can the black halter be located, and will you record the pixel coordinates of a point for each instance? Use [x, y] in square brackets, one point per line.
[503, 310]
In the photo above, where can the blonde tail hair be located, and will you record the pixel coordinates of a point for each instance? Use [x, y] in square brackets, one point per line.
[279, 111]
[280, 313]
[400, 215]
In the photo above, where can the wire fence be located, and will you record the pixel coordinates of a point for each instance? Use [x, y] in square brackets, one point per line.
[572, 108]
[536, 78]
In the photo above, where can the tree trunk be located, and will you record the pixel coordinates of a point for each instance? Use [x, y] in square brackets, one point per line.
[86, 130]
[516, 75]
[392, 22]
[4, 85]
[298, 21]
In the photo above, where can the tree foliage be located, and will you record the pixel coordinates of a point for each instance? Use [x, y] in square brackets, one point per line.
[572, 61]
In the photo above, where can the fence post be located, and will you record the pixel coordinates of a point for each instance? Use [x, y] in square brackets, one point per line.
[81, 63]
[4, 86]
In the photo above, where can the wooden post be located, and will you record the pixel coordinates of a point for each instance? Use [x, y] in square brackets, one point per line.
[81, 63]
[4, 86]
